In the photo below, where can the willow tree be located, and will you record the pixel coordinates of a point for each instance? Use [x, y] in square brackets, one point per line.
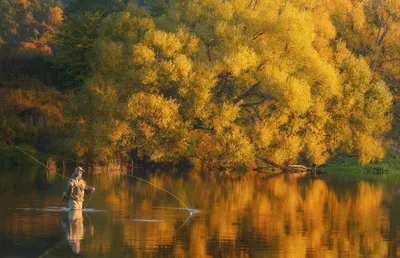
[229, 82]
[372, 29]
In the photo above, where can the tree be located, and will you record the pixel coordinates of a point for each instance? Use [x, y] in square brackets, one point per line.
[239, 82]
[80, 7]
[371, 29]
[75, 38]
[23, 21]
[14, 20]
[74, 41]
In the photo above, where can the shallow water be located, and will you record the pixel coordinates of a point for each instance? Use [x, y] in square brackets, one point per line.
[248, 216]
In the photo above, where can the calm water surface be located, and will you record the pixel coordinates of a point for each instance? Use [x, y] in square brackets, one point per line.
[249, 216]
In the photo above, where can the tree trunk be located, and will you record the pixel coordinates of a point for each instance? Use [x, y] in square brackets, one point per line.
[291, 168]
[382, 32]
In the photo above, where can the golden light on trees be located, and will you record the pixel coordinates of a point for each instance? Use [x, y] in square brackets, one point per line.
[237, 84]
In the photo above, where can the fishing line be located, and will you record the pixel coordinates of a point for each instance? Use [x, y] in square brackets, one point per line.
[87, 203]
[126, 174]
[156, 186]
[90, 197]
[63, 158]
[40, 162]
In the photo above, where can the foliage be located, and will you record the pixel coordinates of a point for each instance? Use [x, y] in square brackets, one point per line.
[29, 24]
[33, 116]
[75, 38]
[221, 83]
[371, 29]
[26, 30]
[80, 7]
[74, 41]
[230, 82]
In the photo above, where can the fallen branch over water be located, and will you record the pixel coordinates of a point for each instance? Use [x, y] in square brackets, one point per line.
[290, 168]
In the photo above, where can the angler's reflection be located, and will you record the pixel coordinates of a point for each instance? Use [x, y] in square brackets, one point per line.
[75, 230]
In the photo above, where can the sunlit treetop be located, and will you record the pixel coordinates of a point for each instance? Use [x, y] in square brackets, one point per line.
[233, 82]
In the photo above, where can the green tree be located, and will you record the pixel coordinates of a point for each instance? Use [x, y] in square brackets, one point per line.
[75, 38]
[80, 7]
[74, 42]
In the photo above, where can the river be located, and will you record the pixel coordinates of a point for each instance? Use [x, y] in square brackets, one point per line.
[252, 215]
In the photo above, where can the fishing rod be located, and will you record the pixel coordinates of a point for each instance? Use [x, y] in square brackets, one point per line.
[63, 158]
[18, 148]
[126, 174]
[64, 177]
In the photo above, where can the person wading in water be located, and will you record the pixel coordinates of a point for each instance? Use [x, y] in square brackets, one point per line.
[76, 189]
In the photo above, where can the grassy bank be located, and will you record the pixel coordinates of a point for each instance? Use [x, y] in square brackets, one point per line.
[345, 166]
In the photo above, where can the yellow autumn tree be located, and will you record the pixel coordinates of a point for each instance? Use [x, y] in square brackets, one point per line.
[233, 82]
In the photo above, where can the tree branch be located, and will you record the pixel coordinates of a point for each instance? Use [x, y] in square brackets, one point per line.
[291, 168]
[246, 93]
[255, 103]
[258, 34]
[379, 39]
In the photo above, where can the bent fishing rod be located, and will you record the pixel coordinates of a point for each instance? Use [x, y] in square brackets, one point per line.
[126, 174]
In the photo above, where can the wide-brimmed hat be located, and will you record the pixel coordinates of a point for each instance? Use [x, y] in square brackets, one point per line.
[78, 168]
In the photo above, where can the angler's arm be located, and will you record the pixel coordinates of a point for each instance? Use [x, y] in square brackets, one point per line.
[89, 189]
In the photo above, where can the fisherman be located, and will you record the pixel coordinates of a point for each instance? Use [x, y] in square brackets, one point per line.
[76, 190]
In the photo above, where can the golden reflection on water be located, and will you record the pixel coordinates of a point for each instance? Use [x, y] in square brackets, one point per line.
[281, 216]
[318, 222]
[290, 219]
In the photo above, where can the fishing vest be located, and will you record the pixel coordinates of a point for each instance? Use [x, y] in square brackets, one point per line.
[77, 189]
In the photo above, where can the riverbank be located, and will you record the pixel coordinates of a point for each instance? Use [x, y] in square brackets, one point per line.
[345, 166]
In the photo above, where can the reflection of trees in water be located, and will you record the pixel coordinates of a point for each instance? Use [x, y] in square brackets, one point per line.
[314, 221]
[290, 217]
